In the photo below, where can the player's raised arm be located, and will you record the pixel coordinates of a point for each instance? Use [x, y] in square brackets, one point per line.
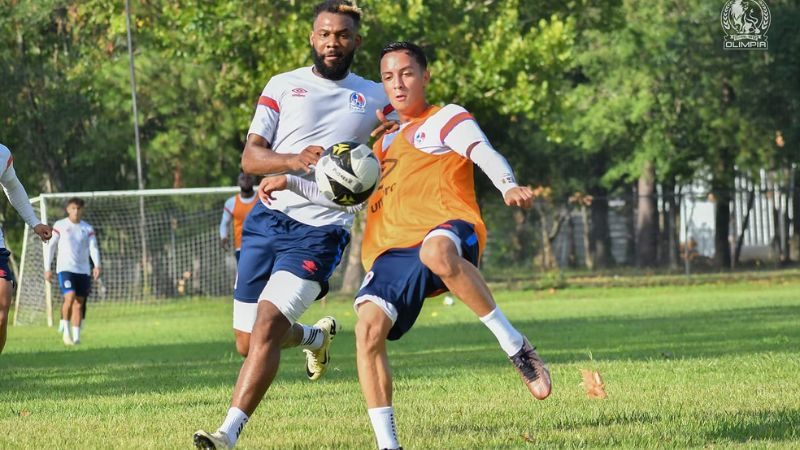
[462, 134]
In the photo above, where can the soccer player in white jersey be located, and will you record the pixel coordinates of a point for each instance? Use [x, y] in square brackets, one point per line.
[291, 247]
[76, 244]
[235, 211]
[19, 200]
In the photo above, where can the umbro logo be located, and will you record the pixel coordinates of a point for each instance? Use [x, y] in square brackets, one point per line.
[299, 92]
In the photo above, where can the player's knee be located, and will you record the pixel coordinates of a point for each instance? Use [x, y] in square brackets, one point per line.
[269, 329]
[369, 336]
[440, 256]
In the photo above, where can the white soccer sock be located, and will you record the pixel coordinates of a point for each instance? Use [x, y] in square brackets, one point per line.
[65, 331]
[509, 338]
[63, 325]
[76, 334]
[312, 338]
[383, 424]
[233, 424]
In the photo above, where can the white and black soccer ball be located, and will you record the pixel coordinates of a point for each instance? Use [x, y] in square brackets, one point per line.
[348, 173]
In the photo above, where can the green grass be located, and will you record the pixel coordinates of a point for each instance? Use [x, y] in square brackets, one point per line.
[701, 366]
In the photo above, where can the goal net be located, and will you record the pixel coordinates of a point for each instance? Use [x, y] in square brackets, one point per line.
[154, 244]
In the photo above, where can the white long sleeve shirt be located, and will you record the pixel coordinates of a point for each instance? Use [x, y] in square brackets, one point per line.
[14, 191]
[76, 243]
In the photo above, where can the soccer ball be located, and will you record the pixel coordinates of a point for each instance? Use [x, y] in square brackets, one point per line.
[347, 173]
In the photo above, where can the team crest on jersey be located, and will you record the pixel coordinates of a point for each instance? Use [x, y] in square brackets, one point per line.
[299, 92]
[419, 137]
[358, 103]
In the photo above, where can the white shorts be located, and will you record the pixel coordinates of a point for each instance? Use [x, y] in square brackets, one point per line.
[289, 293]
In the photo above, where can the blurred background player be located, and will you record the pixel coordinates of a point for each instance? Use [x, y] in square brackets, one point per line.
[236, 210]
[16, 194]
[76, 244]
[290, 249]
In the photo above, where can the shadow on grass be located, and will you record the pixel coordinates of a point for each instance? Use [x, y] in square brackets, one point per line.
[698, 335]
[426, 350]
[747, 426]
[158, 368]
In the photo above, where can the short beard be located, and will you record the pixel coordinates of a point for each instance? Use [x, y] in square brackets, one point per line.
[249, 192]
[336, 72]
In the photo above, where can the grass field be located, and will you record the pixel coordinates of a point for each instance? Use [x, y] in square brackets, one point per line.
[701, 366]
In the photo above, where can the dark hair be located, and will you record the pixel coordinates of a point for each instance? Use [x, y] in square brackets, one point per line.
[77, 201]
[345, 7]
[413, 49]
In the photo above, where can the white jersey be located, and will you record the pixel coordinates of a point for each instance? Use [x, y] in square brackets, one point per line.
[14, 191]
[298, 109]
[76, 243]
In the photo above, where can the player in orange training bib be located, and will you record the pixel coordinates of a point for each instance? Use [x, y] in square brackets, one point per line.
[236, 210]
[425, 234]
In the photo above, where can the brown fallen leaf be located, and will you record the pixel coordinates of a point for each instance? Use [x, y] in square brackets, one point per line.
[527, 437]
[24, 413]
[593, 383]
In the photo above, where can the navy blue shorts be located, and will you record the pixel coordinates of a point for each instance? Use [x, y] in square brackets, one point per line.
[273, 241]
[400, 279]
[79, 283]
[5, 270]
[236, 253]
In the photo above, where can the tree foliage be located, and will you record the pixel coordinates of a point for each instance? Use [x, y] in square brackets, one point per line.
[580, 96]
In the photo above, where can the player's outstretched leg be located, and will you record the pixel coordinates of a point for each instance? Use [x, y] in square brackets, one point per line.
[317, 341]
[440, 255]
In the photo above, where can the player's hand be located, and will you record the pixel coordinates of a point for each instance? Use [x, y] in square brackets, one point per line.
[302, 161]
[48, 276]
[45, 232]
[96, 273]
[386, 126]
[269, 185]
[521, 196]
[223, 242]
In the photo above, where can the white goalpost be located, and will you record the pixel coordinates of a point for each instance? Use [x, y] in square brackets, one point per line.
[169, 249]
